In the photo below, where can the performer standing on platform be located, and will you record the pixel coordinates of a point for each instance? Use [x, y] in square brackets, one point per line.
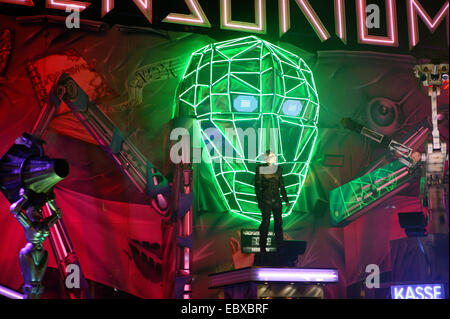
[268, 185]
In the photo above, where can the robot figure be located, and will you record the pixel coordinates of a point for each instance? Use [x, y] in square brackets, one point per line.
[268, 185]
[33, 257]
[27, 179]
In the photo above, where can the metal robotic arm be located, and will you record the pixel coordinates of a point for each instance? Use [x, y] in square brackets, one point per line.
[139, 170]
[384, 179]
[55, 216]
[401, 150]
[435, 156]
[111, 139]
[16, 210]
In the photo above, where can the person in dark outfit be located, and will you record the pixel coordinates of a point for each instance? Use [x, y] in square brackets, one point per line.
[268, 185]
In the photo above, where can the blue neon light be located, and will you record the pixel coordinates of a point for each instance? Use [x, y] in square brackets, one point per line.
[245, 103]
[292, 107]
[424, 291]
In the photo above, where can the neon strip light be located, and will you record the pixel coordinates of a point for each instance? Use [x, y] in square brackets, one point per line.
[60, 244]
[9, 293]
[411, 141]
[260, 18]
[308, 11]
[339, 15]
[415, 9]
[65, 4]
[284, 16]
[57, 245]
[19, 2]
[107, 5]
[392, 181]
[146, 8]
[186, 258]
[297, 275]
[196, 18]
[265, 274]
[64, 237]
[390, 175]
[391, 17]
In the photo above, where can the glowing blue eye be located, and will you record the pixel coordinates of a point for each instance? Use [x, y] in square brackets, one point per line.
[292, 107]
[245, 103]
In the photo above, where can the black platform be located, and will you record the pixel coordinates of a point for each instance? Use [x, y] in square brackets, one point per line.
[286, 257]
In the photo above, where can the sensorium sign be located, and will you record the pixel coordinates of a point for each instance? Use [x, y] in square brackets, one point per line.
[417, 13]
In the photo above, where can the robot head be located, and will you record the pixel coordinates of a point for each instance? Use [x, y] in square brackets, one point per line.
[249, 95]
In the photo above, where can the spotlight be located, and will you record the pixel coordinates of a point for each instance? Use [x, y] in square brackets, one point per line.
[25, 166]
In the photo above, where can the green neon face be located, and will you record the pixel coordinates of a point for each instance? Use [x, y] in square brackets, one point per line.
[249, 85]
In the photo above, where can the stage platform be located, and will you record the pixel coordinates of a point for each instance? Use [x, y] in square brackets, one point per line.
[273, 282]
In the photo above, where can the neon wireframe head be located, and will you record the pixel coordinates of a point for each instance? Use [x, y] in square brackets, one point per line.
[267, 98]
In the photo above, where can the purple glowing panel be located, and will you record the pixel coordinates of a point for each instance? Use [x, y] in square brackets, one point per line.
[9, 293]
[297, 275]
[264, 274]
